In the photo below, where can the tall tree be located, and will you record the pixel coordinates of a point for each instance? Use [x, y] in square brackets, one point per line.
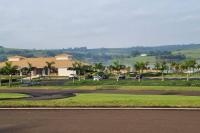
[49, 66]
[163, 67]
[1, 76]
[29, 70]
[198, 68]
[9, 69]
[77, 66]
[190, 65]
[140, 67]
[117, 67]
[86, 69]
[99, 67]
[157, 66]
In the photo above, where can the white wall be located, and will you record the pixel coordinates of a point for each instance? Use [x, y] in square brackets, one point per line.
[64, 58]
[13, 59]
[65, 72]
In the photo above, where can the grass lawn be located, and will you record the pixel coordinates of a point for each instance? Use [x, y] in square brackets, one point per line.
[134, 83]
[12, 95]
[101, 87]
[110, 100]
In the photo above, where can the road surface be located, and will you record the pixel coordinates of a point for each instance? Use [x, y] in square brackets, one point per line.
[99, 121]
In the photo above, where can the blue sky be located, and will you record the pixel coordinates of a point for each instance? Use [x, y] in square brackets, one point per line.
[45, 24]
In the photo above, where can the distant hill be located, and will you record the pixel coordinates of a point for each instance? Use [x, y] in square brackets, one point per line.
[189, 53]
[107, 55]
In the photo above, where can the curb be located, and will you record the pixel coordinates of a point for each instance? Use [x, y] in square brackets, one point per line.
[189, 109]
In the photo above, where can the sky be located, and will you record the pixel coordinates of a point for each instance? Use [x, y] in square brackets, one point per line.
[49, 24]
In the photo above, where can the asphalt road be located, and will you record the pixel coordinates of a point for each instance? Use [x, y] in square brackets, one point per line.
[99, 121]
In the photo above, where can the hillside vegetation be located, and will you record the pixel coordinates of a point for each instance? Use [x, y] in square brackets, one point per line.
[190, 53]
[108, 55]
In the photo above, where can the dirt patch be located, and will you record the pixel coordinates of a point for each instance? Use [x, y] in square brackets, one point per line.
[41, 96]
[50, 96]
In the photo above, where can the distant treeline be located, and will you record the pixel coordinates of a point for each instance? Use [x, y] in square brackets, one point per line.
[102, 54]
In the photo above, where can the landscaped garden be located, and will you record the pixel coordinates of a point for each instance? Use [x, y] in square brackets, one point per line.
[112, 89]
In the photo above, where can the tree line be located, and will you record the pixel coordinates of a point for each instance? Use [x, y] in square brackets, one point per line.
[115, 69]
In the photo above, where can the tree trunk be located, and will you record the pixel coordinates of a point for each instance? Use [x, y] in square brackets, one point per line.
[187, 76]
[163, 79]
[21, 79]
[84, 75]
[21, 76]
[10, 76]
[79, 75]
[0, 81]
[48, 72]
[30, 77]
[139, 80]
[117, 78]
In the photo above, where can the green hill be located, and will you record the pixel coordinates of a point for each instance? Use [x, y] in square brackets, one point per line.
[191, 53]
[106, 55]
[132, 60]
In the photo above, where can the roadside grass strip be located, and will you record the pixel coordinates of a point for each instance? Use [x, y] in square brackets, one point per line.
[107, 87]
[111, 100]
[12, 95]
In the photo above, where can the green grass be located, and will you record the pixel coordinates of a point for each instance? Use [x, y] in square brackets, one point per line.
[191, 53]
[100, 87]
[110, 100]
[12, 95]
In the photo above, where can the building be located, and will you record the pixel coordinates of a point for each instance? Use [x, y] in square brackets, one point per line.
[60, 63]
[143, 55]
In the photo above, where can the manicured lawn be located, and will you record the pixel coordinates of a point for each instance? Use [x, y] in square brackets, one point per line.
[110, 100]
[106, 87]
[12, 95]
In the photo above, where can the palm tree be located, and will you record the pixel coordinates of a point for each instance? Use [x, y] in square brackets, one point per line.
[173, 65]
[0, 76]
[9, 69]
[183, 67]
[29, 70]
[163, 67]
[146, 65]
[49, 66]
[198, 67]
[99, 67]
[77, 66]
[117, 67]
[157, 66]
[190, 64]
[87, 69]
[139, 67]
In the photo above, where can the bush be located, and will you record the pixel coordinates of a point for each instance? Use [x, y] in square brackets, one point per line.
[152, 74]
